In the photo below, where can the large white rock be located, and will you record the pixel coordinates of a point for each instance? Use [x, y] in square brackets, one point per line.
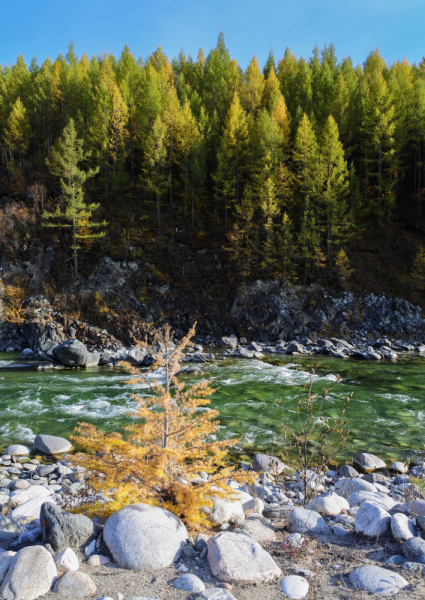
[294, 586]
[368, 462]
[143, 537]
[261, 532]
[329, 505]
[377, 580]
[303, 521]
[254, 504]
[5, 560]
[66, 560]
[372, 520]
[31, 574]
[17, 450]
[30, 508]
[236, 557]
[377, 498]
[402, 527]
[399, 467]
[347, 486]
[227, 511]
[19, 497]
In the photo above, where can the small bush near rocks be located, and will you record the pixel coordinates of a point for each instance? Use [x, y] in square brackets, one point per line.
[172, 441]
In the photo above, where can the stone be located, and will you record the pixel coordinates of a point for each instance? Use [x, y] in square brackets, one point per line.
[62, 530]
[262, 533]
[31, 574]
[50, 444]
[294, 347]
[97, 560]
[331, 505]
[66, 560]
[402, 527]
[92, 359]
[4, 500]
[230, 341]
[368, 462]
[26, 539]
[17, 450]
[377, 498]
[136, 356]
[303, 521]
[340, 531]
[90, 548]
[294, 540]
[5, 560]
[217, 594]
[30, 508]
[417, 508]
[268, 464]
[375, 477]
[9, 529]
[377, 580]
[75, 584]
[20, 484]
[399, 467]
[226, 511]
[414, 550]
[236, 557]
[347, 471]
[278, 512]
[294, 586]
[71, 353]
[19, 497]
[189, 583]
[255, 504]
[372, 520]
[143, 537]
[45, 470]
[347, 486]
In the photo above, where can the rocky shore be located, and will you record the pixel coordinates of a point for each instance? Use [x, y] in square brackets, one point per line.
[360, 527]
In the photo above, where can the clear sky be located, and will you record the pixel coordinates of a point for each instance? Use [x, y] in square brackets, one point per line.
[355, 27]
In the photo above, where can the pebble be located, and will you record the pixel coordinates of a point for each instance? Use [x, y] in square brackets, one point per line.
[294, 586]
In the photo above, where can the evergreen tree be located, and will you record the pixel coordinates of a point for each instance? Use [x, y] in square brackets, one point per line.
[76, 215]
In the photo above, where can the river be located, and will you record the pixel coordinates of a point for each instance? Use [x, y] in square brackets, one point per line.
[386, 415]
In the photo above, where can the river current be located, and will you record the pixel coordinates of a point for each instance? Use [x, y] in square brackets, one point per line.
[386, 415]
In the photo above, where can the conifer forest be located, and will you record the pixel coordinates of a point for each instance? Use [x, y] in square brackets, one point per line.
[289, 166]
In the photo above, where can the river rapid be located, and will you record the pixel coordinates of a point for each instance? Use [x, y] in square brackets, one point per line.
[386, 415]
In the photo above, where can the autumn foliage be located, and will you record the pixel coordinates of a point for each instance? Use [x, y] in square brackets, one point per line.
[171, 442]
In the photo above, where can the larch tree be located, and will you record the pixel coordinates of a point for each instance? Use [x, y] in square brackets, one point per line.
[118, 138]
[17, 131]
[252, 87]
[156, 176]
[75, 215]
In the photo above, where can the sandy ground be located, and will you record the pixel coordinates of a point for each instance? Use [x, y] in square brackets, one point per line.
[331, 559]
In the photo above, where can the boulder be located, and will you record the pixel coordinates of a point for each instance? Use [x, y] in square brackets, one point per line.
[278, 512]
[66, 560]
[377, 580]
[402, 527]
[347, 486]
[136, 356]
[97, 560]
[347, 471]
[254, 504]
[143, 537]
[417, 508]
[303, 521]
[31, 574]
[399, 467]
[75, 584]
[236, 557]
[226, 511]
[18, 497]
[9, 529]
[30, 508]
[92, 359]
[50, 444]
[377, 498]
[368, 462]
[329, 505]
[5, 560]
[262, 532]
[17, 450]
[372, 520]
[268, 464]
[229, 341]
[294, 586]
[217, 594]
[189, 583]
[71, 353]
[62, 530]
[414, 550]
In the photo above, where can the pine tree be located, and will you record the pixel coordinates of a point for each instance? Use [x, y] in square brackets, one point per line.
[252, 87]
[76, 215]
[418, 270]
[118, 137]
[188, 139]
[156, 176]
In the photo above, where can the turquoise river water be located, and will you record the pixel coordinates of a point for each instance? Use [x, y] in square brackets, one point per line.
[386, 415]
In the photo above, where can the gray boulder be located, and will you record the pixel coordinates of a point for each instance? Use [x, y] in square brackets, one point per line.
[347, 486]
[237, 557]
[75, 584]
[64, 530]
[328, 505]
[143, 537]
[268, 464]
[17, 450]
[414, 550]
[372, 520]
[217, 594]
[71, 353]
[93, 359]
[368, 462]
[377, 580]
[136, 356]
[9, 529]
[261, 532]
[402, 527]
[229, 341]
[294, 347]
[303, 521]
[31, 574]
[5, 560]
[189, 583]
[50, 444]
[347, 471]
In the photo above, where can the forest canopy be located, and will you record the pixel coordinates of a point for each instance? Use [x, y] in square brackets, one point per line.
[285, 164]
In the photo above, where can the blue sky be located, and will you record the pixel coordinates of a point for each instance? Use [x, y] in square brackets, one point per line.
[355, 27]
